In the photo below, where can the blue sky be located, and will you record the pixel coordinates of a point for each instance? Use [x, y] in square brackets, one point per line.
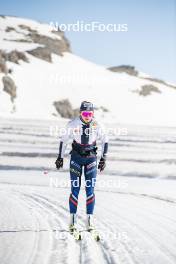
[149, 44]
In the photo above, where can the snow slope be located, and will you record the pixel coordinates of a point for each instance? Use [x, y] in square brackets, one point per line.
[135, 215]
[40, 83]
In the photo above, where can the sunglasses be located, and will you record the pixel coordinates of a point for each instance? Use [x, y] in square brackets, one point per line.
[87, 114]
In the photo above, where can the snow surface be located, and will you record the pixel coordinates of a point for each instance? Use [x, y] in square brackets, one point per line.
[40, 83]
[135, 215]
[16, 22]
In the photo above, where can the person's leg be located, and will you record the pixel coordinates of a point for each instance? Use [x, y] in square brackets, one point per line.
[90, 171]
[75, 177]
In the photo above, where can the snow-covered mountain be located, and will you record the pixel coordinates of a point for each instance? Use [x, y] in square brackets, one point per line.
[38, 70]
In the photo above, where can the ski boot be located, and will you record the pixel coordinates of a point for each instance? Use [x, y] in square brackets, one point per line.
[73, 229]
[91, 228]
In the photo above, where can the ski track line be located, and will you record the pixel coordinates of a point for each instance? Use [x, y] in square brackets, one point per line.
[59, 245]
[37, 236]
[130, 247]
[142, 203]
[86, 251]
[105, 247]
[52, 206]
[38, 253]
[154, 217]
[170, 220]
[120, 251]
[56, 245]
[87, 242]
[138, 212]
[156, 197]
[129, 219]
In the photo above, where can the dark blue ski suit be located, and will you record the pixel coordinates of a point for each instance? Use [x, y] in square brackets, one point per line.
[83, 157]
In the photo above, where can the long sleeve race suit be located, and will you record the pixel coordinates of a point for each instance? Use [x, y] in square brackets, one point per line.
[83, 134]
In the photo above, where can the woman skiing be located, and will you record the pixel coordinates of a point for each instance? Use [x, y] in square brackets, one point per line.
[84, 132]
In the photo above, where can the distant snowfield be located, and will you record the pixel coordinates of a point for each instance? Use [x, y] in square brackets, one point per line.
[74, 78]
[40, 83]
[135, 198]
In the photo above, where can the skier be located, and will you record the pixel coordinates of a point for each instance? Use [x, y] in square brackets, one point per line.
[84, 131]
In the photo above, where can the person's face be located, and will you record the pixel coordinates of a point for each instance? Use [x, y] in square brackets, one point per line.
[87, 116]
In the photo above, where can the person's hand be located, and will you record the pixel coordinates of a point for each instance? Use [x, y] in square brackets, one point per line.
[59, 163]
[102, 164]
